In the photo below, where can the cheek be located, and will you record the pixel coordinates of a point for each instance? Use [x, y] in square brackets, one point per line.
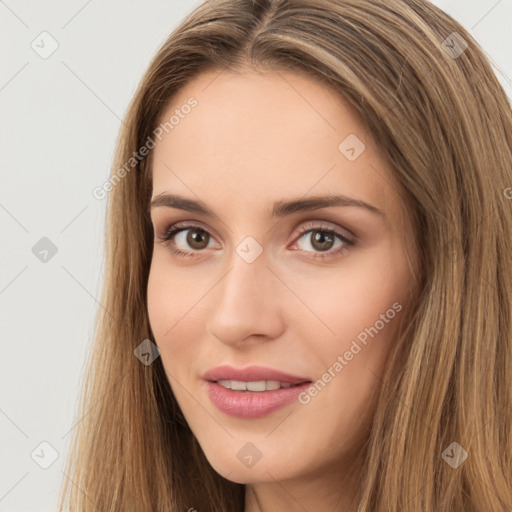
[363, 308]
[169, 296]
[174, 313]
[359, 312]
[166, 305]
[158, 300]
[352, 302]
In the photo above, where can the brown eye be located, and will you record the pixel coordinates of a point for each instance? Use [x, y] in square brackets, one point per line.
[186, 240]
[196, 238]
[322, 242]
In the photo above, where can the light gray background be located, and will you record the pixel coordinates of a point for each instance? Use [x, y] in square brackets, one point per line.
[59, 119]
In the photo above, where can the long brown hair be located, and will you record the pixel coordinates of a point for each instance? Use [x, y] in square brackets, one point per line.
[440, 117]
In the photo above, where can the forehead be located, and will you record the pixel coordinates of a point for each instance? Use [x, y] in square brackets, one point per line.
[254, 135]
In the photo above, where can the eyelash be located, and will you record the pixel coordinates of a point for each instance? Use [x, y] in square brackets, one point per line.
[174, 229]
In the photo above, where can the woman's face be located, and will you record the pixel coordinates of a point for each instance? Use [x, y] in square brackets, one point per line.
[271, 276]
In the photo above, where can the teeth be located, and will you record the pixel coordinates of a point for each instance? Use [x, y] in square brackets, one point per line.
[259, 385]
[273, 384]
[238, 385]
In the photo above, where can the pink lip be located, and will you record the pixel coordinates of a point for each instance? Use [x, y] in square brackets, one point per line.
[251, 373]
[252, 404]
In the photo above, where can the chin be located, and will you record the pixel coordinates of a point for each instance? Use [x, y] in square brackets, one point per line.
[266, 469]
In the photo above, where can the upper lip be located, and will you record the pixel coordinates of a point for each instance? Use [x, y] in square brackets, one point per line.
[251, 374]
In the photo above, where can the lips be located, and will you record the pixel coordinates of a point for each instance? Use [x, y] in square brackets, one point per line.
[229, 390]
[252, 374]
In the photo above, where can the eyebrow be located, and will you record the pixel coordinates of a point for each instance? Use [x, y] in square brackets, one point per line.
[280, 208]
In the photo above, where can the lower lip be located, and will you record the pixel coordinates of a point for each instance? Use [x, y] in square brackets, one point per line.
[252, 404]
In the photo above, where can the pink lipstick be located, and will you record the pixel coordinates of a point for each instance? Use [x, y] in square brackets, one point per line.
[252, 392]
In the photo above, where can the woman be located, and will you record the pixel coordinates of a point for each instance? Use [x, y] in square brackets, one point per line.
[307, 302]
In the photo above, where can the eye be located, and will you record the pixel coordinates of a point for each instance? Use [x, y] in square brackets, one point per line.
[323, 241]
[187, 240]
[188, 237]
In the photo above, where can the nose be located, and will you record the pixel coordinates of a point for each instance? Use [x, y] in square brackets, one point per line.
[246, 304]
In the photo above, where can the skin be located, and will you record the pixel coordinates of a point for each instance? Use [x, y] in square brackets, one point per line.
[255, 138]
